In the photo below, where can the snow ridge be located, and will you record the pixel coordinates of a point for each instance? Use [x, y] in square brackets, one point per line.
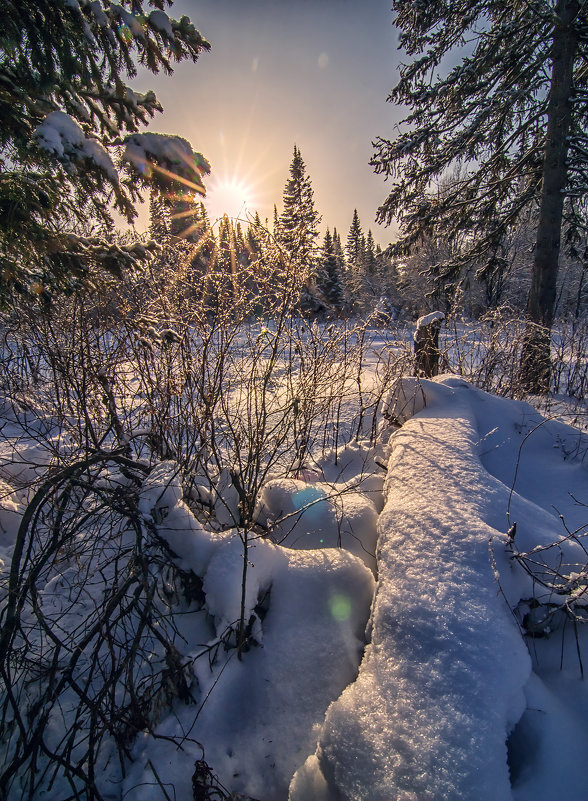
[441, 684]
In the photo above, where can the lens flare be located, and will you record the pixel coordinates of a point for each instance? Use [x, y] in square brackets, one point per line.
[340, 607]
[309, 499]
[125, 32]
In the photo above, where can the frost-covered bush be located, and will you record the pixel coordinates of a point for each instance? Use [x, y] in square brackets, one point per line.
[123, 416]
[487, 352]
[89, 644]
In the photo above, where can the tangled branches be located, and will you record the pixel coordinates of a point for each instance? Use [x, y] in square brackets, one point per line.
[89, 648]
[559, 572]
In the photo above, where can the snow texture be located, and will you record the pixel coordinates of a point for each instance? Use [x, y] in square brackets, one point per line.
[61, 135]
[259, 717]
[441, 684]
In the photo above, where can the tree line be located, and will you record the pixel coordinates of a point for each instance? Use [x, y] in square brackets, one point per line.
[336, 278]
[353, 275]
[489, 176]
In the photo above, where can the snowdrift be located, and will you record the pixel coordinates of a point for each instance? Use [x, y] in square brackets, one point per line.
[451, 699]
[443, 682]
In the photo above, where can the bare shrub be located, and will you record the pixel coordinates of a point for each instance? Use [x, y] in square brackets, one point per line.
[88, 645]
[487, 352]
[215, 371]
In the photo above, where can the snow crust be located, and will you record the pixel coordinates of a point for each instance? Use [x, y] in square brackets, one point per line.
[443, 682]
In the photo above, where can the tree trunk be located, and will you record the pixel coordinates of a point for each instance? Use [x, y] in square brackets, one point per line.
[536, 353]
[426, 345]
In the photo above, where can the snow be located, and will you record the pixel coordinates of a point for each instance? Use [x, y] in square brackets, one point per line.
[172, 153]
[447, 675]
[161, 22]
[98, 12]
[307, 648]
[11, 510]
[433, 317]
[132, 26]
[387, 658]
[336, 506]
[61, 135]
[58, 133]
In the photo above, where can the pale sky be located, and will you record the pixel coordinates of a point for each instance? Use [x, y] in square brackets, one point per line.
[312, 72]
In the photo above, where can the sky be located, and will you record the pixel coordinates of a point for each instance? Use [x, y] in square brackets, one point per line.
[315, 73]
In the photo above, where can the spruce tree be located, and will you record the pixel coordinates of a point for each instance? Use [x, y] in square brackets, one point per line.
[340, 260]
[354, 251]
[254, 237]
[298, 223]
[201, 236]
[65, 113]
[514, 109]
[371, 275]
[159, 217]
[329, 278]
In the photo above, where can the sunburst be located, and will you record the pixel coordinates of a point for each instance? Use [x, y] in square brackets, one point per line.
[230, 196]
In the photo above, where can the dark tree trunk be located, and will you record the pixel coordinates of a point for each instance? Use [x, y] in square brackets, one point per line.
[536, 354]
[426, 345]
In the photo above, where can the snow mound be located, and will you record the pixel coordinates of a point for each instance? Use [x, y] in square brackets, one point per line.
[303, 515]
[335, 504]
[441, 684]
[257, 717]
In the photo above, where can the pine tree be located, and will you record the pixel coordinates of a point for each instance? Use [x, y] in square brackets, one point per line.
[337, 243]
[354, 251]
[516, 111]
[298, 224]
[64, 107]
[188, 218]
[340, 260]
[371, 275]
[201, 236]
[329, 278]
[254, 237]
[159, 217]
[241, 246]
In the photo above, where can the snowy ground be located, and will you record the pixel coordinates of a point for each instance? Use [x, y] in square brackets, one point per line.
[447, 674]
[433, 691]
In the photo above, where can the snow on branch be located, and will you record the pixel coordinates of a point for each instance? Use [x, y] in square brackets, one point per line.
[166, 158]
[60, 135]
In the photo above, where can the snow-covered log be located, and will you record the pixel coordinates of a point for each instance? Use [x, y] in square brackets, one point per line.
[441, 684]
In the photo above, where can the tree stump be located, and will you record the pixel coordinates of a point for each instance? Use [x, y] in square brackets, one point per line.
[426, 344]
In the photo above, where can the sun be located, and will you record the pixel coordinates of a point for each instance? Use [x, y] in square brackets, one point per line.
[230, 196]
